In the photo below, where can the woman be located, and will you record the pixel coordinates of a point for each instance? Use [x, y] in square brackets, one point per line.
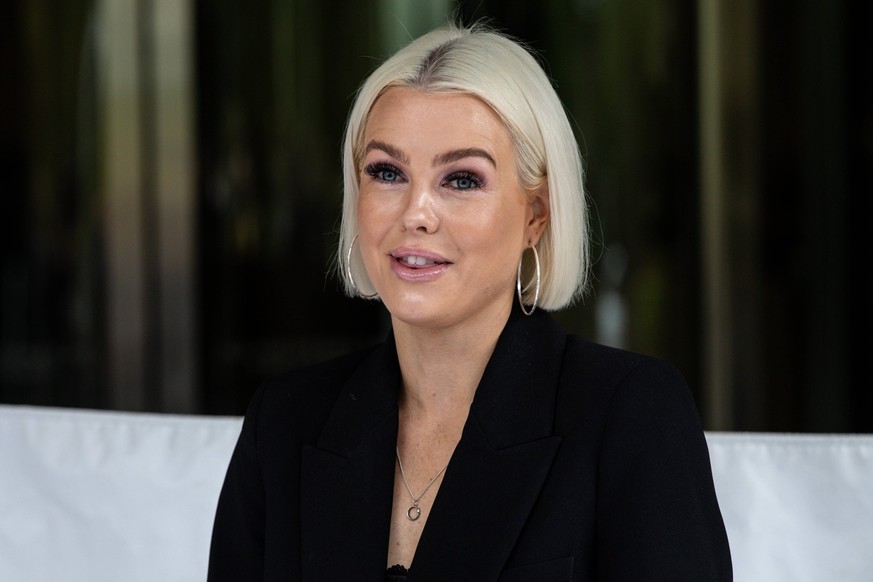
[478, 442]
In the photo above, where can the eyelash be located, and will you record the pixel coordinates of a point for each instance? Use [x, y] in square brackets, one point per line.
[477, 182]
[376, 170]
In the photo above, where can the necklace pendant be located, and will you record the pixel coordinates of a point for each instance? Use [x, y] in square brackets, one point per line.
[413, 513]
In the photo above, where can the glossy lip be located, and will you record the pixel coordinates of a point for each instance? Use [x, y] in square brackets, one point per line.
[415, 273]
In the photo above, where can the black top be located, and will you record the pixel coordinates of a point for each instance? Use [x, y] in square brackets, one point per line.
[577, 462]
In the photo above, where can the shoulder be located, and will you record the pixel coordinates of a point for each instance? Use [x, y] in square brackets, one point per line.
[655, 496]
[295, 405]
[611, 366]
[625, 390]
[316, 380]
[638, 408]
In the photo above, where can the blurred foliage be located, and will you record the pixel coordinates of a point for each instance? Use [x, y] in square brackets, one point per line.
[274, 80]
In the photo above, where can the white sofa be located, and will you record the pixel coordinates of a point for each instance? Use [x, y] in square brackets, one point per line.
[89, 496]
[97, 496]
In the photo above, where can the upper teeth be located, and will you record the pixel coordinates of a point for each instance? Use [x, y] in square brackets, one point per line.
[419, 261]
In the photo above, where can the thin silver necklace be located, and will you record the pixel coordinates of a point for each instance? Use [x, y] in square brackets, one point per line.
[414, 511]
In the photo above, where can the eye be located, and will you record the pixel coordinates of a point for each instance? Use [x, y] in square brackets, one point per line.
[464, 181]
[382, 172]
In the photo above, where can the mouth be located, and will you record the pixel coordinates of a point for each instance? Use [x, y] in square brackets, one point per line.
[416, 259]
[418, 266]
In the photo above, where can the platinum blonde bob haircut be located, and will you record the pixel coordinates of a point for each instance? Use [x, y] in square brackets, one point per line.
[504, 75]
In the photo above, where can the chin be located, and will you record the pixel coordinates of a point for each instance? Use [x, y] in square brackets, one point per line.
[418, 312]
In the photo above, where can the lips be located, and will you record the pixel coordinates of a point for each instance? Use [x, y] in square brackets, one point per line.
[418, 265]
[416, 261]
[418, 258]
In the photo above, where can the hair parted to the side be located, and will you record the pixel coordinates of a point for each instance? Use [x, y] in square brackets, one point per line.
[499, 71]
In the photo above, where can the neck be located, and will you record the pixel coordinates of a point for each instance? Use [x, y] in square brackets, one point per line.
[441, 368]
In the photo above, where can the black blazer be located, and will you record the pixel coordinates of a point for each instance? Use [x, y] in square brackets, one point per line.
[577, 462]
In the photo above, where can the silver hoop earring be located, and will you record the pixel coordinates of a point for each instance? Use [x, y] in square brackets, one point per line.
[521, 291]
[349, 272]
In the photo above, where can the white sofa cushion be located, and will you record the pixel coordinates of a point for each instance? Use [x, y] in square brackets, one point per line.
[104, 496]
[796, 507]
[97, 496]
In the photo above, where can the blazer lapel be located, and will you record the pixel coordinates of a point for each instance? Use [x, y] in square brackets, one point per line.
[348, 477]
[502, 460]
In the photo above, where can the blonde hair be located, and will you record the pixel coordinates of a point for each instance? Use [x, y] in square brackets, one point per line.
[503, 74]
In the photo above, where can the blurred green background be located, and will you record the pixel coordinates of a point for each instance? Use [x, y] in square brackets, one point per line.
[171, 189]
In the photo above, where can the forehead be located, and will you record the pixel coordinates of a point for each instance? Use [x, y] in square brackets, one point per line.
[441, 116]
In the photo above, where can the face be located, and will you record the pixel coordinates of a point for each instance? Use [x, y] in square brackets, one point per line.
[442, 218]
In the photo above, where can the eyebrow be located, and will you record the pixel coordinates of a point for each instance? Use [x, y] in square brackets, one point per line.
[455, 155]
[439, 160]
[388, 149]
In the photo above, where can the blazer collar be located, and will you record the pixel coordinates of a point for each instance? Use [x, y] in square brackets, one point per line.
[502, 460]
[367, 400]
[347, 478]
[492, 482]
[515, 400]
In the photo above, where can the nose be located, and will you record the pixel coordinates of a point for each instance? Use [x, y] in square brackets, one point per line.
[419, 214]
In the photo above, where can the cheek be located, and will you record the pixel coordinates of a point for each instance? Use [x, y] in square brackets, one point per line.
[371, 215]
[498, 234]
[503, 222]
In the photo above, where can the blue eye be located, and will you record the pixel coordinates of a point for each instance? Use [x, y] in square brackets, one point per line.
[383, 173]
[464, 181]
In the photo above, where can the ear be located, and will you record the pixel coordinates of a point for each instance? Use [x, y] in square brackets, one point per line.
[539, 211]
